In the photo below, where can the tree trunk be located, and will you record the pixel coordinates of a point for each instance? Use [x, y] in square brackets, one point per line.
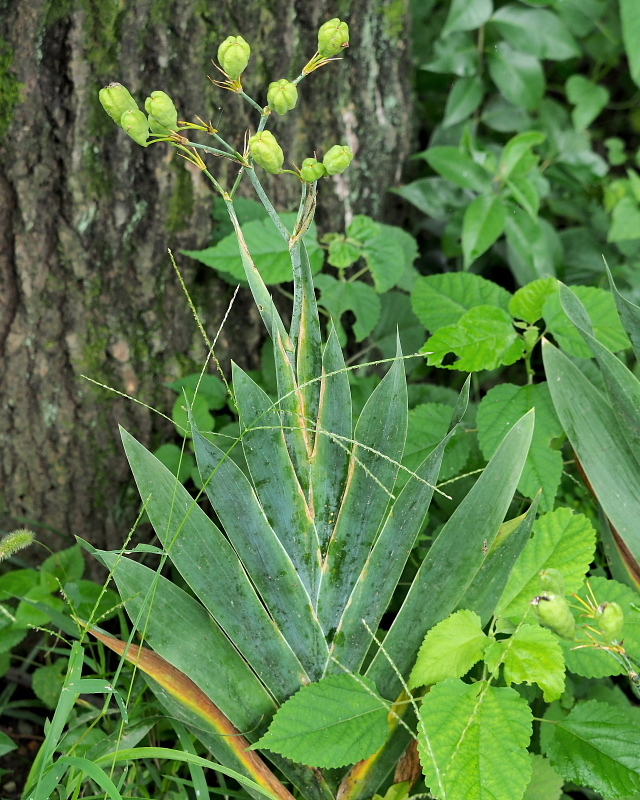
[86, 217]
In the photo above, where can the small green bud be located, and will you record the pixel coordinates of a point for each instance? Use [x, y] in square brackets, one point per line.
[552, 580]
[282, 96]
[333, 37]
[312, 169]
[554, 613]
[233, 55]
[136, 125]
[116, 99]
[14, 541]
[267, 152]
[610, 619]
[160, 107]
[337, 159]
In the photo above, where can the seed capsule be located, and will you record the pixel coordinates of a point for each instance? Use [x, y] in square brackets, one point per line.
[312, 169]
[552, 580]
[266, 152]
[333, 37]
[116, 99]
[554, 613]
[610, 619]
[161, 110]
[136, 125]
[233, 55]
[282, 96]
[337, 159]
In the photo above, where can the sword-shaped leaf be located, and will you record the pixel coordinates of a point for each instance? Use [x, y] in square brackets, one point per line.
[379, 442]
[601, 447]
[307, 338]
[185, 701]
[330, 457]
[262, 553]
[382, 571]
[210, 566]
[455, 558]
[629, 316]
[274, 478]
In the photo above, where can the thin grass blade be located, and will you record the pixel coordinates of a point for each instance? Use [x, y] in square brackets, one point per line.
[380, 437]
[274, 478]
[262, 554]
[210, 566]
[455, 558]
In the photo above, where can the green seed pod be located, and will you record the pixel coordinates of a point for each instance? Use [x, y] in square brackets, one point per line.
[554, 613]
[116, 99]
[266, 152]
[333, 37]
[337, 159]
[312, 169]
[610, 619]
[552, 580]
[160, 107]
[233, 55]
[136, 125]
[282, 96]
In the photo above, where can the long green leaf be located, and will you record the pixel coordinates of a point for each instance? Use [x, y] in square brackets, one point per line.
[262, 553]
[629, 315]
[623, 388]
[380, 437]
[455, 558]
[601, 448]
[210, 566]
[330, 457]
[487, 587]
[179, 629]
[274, 478]
[382, 571]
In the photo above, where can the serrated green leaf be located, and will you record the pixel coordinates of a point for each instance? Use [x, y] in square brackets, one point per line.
[450, 649]
[465, 96]
[518, 76]
[601, 308]
[332, 723]
[340, 296]
[457, 166]
[588, 98]
[482, 224]
[596, 745]
[499, 409]
[388, 254]
[528, 301]
[268, 248]
[546, 783]
[47, 682]
[531, 655]
[466, 15]
[535, 31]
[561, 540]
[343, 254]
[199, 409]
[428, 424]
[472, 741]
[591, 662]
[483, 338]
[440, 300]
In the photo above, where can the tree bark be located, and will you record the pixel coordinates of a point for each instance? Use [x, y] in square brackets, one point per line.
[87, 215]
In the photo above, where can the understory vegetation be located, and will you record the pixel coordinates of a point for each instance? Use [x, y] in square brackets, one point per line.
[402, 558]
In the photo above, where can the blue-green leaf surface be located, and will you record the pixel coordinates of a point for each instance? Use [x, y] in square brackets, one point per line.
[210, 566]
[455, 558]
[380, 438]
